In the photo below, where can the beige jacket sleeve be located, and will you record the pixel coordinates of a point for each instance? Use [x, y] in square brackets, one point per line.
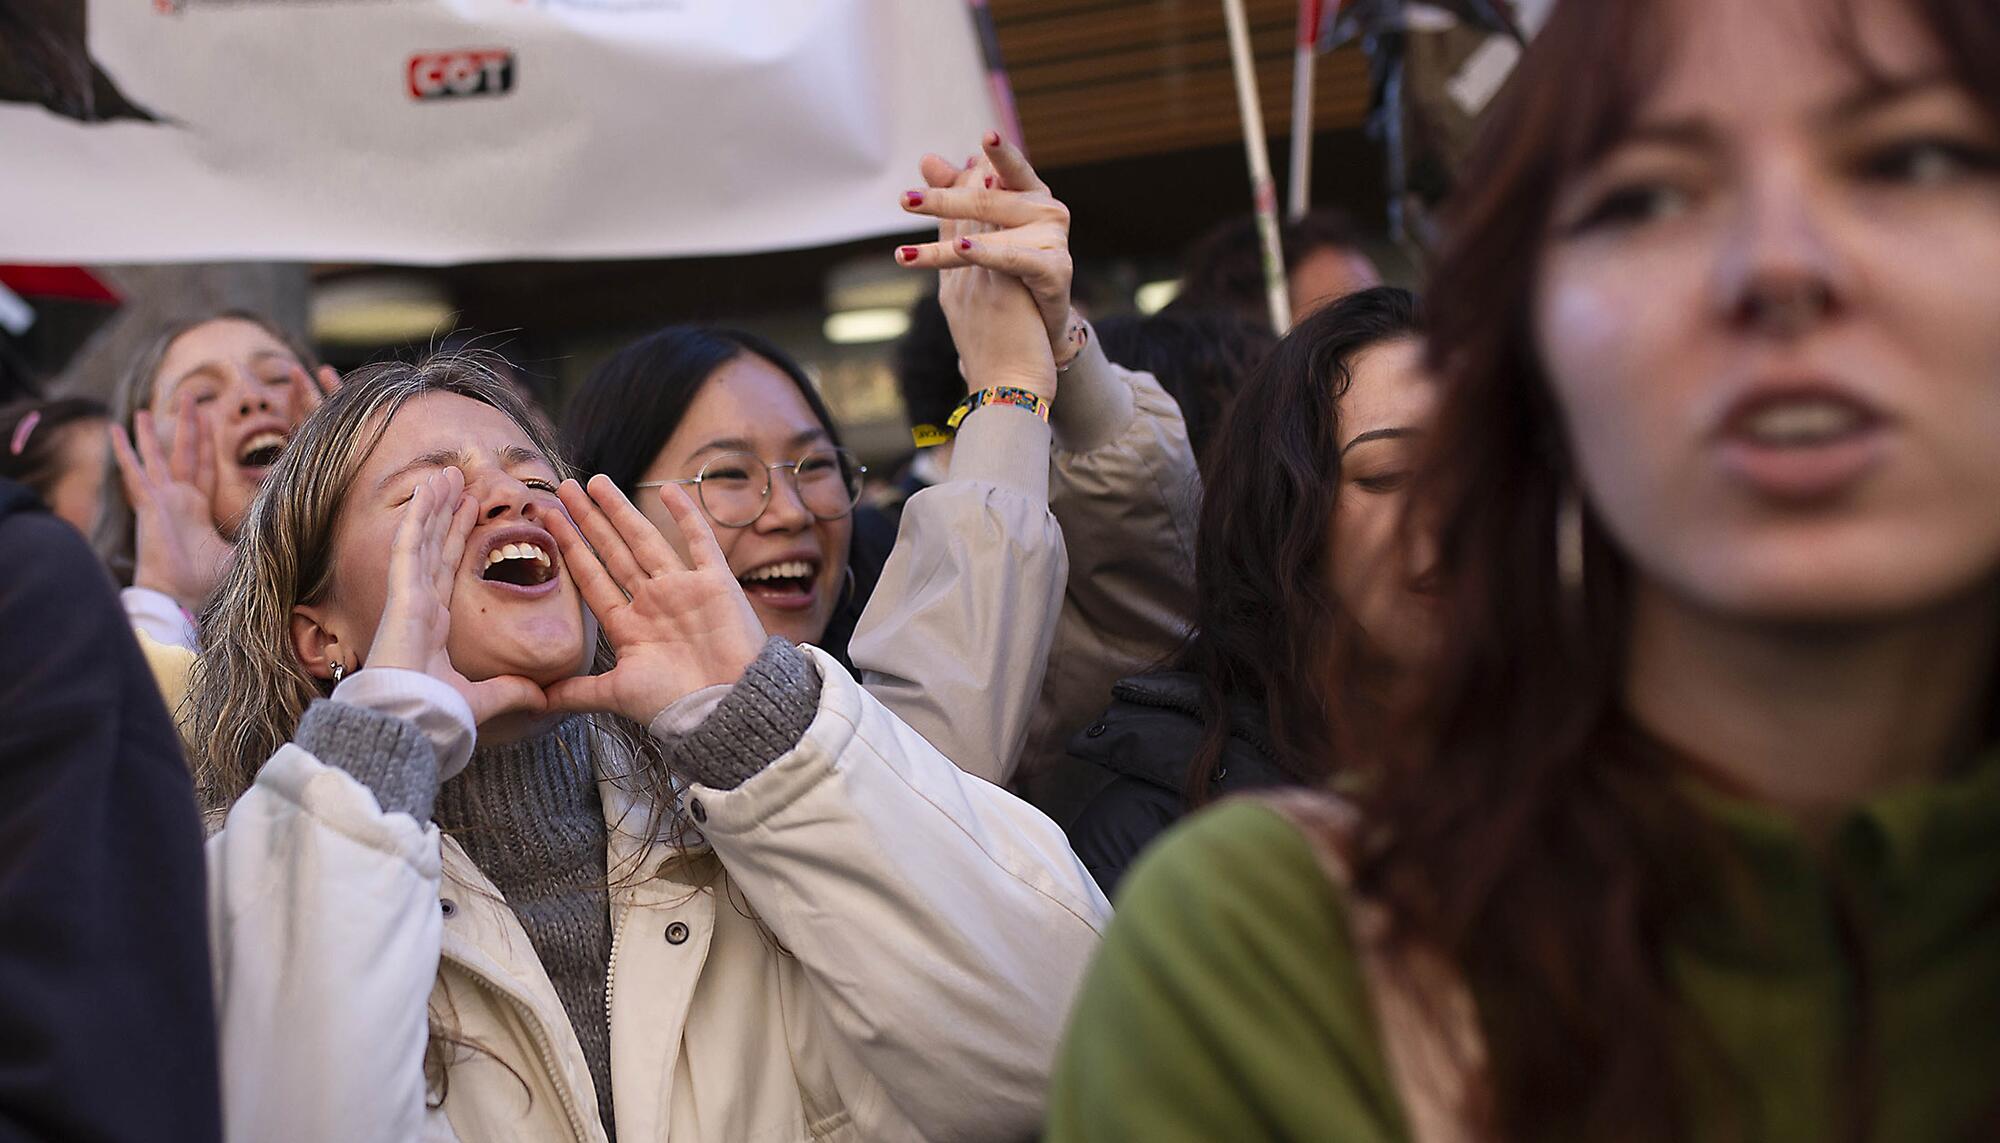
[944, 923]
[955, 639]
[1127, 495]
[1003, 616]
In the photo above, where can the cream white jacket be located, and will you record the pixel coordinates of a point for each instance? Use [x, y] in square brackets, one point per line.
[861, 943]
[1054, 560]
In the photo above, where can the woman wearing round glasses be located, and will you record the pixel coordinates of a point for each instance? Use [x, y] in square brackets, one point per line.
[735, 422]
[1053, 560]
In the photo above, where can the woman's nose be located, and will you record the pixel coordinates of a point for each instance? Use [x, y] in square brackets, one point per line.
[787, 510]
[1780, 273]
[500, 496]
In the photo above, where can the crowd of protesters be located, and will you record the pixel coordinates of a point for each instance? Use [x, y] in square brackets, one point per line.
[1593, 654]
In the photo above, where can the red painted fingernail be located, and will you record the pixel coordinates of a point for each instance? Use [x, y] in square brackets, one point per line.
[907, 253]
[965, 244]
[913, 198]
[989, 182]
[993, 138]
[971, 162]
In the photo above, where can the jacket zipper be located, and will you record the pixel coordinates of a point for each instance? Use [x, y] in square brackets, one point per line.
[578, 1130]
[611, 968]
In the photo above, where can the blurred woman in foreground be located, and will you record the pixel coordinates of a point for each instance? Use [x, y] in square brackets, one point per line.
[1701, 837]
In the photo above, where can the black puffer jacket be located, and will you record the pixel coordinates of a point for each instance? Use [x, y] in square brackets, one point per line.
[1147, 739]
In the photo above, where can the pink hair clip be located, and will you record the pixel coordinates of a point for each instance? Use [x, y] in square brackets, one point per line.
[23, 430]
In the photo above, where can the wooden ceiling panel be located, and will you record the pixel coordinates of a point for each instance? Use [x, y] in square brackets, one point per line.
[1097, 81]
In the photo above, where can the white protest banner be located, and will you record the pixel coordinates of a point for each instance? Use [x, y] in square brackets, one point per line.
[433, 131]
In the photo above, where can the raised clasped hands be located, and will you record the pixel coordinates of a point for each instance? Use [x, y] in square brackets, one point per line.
[996, 215]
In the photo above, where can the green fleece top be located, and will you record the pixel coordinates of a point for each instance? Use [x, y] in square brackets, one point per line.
[1227, 1002]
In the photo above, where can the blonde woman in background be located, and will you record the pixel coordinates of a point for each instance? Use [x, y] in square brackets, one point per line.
[197, 423]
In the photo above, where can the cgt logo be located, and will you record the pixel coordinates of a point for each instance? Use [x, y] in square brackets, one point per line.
[467, 72]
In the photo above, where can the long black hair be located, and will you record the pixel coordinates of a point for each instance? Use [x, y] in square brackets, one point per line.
[619, 420]
[628, 407]
[1268, 626]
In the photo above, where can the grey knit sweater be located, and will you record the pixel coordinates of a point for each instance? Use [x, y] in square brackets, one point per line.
[529, 815]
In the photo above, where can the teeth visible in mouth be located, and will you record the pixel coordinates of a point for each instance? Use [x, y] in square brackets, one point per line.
[790, 569]
[261, 449]
[517, 552]
[523, 565]
[1802, 422]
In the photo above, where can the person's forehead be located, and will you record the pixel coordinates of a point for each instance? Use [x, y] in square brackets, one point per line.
[747, 398]
[435, 421]
[1388, 388]
[1774, 61]
[220, 340]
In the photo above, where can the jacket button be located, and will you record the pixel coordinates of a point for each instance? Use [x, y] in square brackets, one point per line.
[695, 808]
[1096, 730]
[677, 933]
[448, 907]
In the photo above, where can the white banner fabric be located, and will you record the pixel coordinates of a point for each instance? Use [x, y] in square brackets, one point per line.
[438, 131]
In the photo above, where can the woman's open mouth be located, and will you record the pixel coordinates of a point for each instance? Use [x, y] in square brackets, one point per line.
[521, 562]
[791, 585]
[1803, 443]
[259, 451]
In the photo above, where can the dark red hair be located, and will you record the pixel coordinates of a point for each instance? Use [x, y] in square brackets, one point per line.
[1536, 837]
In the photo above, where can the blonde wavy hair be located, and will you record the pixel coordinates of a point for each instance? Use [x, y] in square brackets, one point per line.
[249, 690]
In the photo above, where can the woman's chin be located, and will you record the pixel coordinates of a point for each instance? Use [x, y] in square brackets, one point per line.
[794, 626]
[544, 663]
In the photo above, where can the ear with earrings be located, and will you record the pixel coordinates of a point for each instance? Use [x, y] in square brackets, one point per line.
[338, 669]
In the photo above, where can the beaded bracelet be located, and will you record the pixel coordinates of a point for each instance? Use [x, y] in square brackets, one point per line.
[927, 436]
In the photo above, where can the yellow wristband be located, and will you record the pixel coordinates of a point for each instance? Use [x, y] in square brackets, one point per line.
[927, 436]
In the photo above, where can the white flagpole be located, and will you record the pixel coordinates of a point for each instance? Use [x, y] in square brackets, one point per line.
[1303, 57]
[1263, 192]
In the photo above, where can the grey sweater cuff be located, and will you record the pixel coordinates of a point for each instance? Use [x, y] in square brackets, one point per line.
[387, 754]
[763, 716]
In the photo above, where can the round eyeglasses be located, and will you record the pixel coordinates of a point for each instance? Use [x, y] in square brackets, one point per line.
[735, 487]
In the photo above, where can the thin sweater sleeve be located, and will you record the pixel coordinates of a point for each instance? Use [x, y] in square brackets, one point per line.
[1226, 1003]
[761, 717]
[397, 732]
[387, 754]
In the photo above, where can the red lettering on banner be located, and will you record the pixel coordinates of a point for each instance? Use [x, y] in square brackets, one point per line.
[469, 71]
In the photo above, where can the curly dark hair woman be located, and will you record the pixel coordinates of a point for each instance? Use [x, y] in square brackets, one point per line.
[1307, 608]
